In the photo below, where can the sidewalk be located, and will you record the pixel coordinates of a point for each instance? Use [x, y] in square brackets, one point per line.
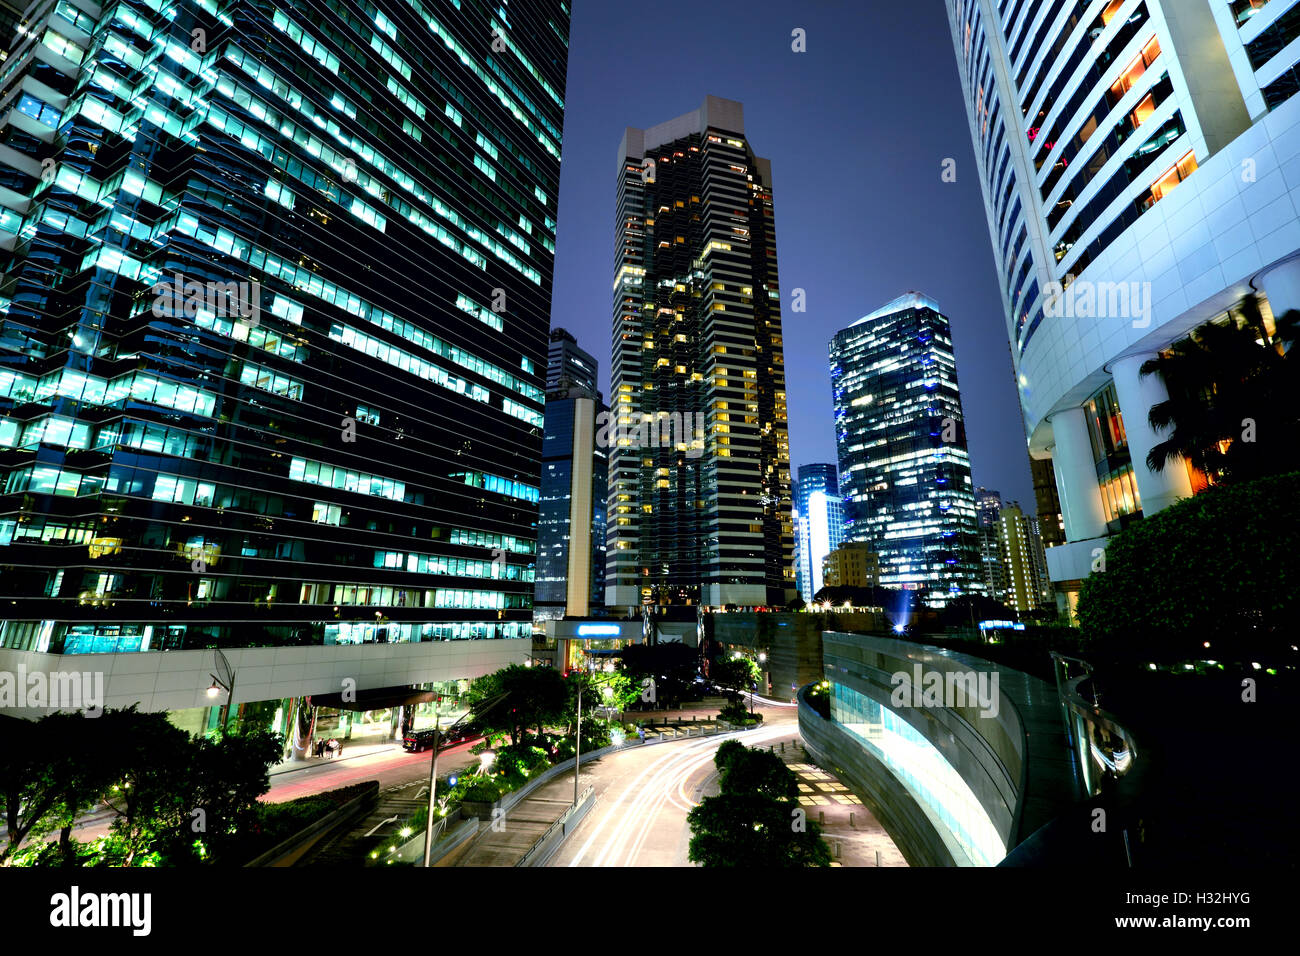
[522, 825]
[855, 836]
[349, 751]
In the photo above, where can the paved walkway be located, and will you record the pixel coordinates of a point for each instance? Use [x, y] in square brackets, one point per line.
[506, 843]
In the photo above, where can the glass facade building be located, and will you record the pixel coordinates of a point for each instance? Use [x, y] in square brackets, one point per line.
[903, 466]
[700, 506]
[575, 473]
[274, 319]
[818, 522]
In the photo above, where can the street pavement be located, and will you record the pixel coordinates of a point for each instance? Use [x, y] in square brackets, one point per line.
[644, 795]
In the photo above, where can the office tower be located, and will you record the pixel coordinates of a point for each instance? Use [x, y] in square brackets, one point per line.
[988, 504]
[567, 365]
[700, 471]
[901, 439]
[1132, 156]
[571, 514]
[275, 309]
[818, 522]
[851, 565]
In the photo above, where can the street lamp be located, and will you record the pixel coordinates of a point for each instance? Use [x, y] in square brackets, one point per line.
[433, 783]
[577, 739]
[227, 684]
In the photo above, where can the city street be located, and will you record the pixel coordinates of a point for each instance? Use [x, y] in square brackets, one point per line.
[643, 797]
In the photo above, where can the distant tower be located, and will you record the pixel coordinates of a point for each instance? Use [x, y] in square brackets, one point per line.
[819, 524]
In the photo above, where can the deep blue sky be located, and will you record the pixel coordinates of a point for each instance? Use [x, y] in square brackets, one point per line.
[856, 128]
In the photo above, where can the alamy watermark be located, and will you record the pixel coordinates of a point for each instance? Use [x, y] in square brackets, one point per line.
[645, 430]
[1083, 299]
[228, 300]
[61, 690]
[923, 688]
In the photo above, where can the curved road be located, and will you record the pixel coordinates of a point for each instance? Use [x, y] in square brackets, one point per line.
[643, 796]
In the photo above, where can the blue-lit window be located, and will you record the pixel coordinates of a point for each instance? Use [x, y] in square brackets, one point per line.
[38, 110]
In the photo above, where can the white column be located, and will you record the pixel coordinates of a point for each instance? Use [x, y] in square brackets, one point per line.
[1076, 476]
[1281, 284]
[1137, 394]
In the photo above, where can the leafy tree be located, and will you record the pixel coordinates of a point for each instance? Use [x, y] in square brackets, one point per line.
[735, 673]
[81, 758]
[1224, 380]
[615, 689]
[728, 751]
[228, 776]
[30, 785]
[671, 665]
[752, 830]
[516, 698]
[758, 771]
[152, 755]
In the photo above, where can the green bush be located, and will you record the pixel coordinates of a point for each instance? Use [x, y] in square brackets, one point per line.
[736, 713]
[1222, 566]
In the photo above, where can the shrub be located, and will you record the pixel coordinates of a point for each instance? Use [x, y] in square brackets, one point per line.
[1223, 566]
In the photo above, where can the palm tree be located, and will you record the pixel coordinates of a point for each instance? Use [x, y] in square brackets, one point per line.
[1234, 407]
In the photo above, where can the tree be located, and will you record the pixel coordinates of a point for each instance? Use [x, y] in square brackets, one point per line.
[533, 697]
[735, 673]
[672, 667]
[151, 756]
[728, 751]
[758, 771]
[1233, 411]
[29, 782]
[754, 831]
[229, 776]
[754, 821]
[615, 689]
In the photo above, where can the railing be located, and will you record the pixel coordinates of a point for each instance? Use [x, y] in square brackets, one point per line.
[558, 825]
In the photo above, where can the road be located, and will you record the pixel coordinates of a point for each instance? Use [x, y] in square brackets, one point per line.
[643, 796]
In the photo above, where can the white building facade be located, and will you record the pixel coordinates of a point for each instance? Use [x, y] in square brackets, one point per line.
[1140, 166]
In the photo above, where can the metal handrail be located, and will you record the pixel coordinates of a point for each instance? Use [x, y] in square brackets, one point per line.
[564, 818]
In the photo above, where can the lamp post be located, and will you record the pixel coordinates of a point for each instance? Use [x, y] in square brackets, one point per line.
[228, 685]
[577, 741]
[433, 783]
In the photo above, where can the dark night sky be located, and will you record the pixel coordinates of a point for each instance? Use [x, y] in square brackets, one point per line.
[856, 128]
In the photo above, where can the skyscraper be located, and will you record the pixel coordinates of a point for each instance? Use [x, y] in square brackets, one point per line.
[1133, 160]
[275, 309]
[818, 522]
[700, 469]
[567, 365]
[901, 439]
[571, 513]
